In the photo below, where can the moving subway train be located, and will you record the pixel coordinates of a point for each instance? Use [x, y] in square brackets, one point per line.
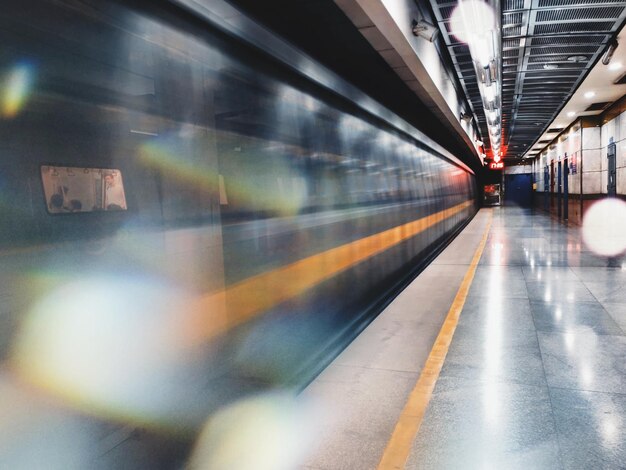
[188, 221]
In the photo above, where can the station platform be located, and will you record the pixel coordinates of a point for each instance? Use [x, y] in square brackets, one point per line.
[508, 351]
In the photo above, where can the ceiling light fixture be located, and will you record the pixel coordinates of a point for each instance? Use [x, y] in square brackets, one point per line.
[608, 55]
[475, 23]
[571, 114]
[615, 66]
[490, 93]
[590, 94]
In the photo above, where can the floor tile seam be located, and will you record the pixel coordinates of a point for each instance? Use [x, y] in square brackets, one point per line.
[352, 366]
[435, 263]
[512, 348]
[545, 378]
[468, 328]
[403, 323]
[562, 332]
[500, 381]
[577, 302]
[483, 296]
[572, 389]
[578, 276]
[611, 292]
[427, 281]
[583, 333]
[440, 275]
[614, 321]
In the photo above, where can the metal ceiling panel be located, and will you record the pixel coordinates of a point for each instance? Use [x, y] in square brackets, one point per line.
[548, 47]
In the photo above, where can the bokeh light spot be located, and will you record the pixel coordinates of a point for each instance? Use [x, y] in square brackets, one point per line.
[113, 346]
[266, 432]
[604, 227]
[471, 19]
[17, 87]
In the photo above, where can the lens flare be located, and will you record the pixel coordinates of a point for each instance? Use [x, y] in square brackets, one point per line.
[35, 432]
[110, 346]
[604, 227]
[259, 178]
[17, 87]
[471, 19]
[267, 432]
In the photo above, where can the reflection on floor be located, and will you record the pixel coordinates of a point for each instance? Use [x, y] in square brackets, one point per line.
[536, 373]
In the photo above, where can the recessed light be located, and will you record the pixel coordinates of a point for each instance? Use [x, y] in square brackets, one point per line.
[590, 94]
[571, 114]
[615, 65]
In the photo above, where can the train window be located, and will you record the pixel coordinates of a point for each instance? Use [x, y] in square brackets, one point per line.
[75, 189]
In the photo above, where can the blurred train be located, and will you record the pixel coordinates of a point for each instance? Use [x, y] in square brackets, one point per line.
[189, 216]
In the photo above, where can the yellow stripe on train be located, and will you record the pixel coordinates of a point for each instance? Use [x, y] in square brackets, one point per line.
[216, 313]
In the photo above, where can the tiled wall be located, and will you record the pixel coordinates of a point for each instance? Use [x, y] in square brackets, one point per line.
[568, 144]
[615, 128]
[586, 147]
[592, 161]
[591, 144]
[595, 144]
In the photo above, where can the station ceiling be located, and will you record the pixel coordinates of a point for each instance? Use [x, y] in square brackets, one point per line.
[548, 48]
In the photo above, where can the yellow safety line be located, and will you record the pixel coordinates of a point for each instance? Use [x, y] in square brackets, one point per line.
[216, 313]
[410, 420]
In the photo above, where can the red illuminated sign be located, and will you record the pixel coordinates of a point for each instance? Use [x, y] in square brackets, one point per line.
[496, 165]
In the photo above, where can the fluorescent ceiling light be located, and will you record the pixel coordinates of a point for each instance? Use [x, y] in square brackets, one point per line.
[481, 48]
[490, 93]
[470, 18]
[590, 94]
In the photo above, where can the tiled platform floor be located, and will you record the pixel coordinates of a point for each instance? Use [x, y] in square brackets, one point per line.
[535, 377]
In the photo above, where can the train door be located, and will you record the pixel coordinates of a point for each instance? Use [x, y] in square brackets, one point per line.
[565, 188]
[559, 177]
[612, 177]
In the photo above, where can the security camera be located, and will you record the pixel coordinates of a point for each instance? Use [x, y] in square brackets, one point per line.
[466, 117]
[424, 29]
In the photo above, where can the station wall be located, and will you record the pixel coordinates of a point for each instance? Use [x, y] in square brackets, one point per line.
[583, 147]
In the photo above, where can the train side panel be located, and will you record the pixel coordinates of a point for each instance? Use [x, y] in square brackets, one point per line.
[265, 220]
